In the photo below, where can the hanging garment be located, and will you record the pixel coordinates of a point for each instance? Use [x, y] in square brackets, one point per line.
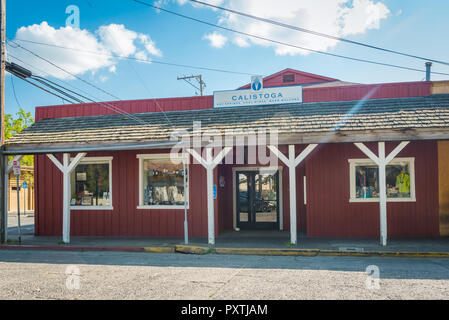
[403, 183]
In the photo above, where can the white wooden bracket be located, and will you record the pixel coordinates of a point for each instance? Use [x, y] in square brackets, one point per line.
[382, 161]
[210, 163]
[292, 162]
[66, 167]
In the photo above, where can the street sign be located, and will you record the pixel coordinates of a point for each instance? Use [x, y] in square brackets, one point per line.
[25, 185]
[16, 167]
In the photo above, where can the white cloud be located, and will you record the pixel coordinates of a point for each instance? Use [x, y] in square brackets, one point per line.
[92, 50]
[150, 45]
[117, 39]
[335, 17]
[241, 42]
[217, 40]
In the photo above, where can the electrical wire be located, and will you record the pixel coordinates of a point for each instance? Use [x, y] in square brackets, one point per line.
[284, 43]
[64, 70]
[139, 77]
[30, 82]
[139, 59]
[14, 91]
[101, 103]
[57, 90]
[56, 84]
[288, 26]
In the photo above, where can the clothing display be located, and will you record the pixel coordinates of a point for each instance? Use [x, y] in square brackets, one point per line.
[403, 183]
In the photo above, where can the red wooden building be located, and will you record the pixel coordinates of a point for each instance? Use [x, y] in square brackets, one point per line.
[353, 160]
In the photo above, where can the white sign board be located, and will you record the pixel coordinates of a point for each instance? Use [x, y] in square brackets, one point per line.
[264, 96]
[16, 167]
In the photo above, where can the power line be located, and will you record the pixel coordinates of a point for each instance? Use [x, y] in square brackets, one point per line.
[56, 84]
[284, 43]
[101, 103]
[14, 91]
[58, 90]
[288, 26]
[38, 86]
[140, 79]
[138, 59]
[64, 70]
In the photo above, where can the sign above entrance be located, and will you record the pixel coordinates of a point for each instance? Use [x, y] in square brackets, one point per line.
[257, 95]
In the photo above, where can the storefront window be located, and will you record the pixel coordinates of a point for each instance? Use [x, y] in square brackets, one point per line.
[162, 182]
[91, 183]
[364, 176]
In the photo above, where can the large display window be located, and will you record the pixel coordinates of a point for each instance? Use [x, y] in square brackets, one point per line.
[364, 180]
[161, 181]
[91, 184]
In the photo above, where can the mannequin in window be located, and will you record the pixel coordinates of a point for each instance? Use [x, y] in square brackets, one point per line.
[403, 183]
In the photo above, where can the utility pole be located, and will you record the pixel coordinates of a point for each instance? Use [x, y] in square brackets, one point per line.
[198, 78]
[3, 159]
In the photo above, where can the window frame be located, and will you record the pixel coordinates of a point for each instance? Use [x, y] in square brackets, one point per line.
[353, 163]
[95, 160]
[162, 156]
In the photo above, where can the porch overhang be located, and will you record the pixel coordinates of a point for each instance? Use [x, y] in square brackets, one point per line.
[342, 136]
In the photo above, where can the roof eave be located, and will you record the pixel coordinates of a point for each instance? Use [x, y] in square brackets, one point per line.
[339, 136]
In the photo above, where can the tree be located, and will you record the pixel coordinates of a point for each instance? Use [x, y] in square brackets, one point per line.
[14, 125]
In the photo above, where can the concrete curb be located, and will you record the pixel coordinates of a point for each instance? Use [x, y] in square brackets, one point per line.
[320, 252]
[268, 252]
[192, 249]
[201, 250]
[162, 249]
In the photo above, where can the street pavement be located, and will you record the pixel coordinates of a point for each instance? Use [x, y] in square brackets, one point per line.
[126, 275]
[26, 225]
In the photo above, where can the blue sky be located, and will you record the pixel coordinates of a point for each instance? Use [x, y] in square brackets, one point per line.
[414, 26]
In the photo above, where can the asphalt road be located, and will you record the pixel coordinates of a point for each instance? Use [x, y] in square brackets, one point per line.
[120, 275]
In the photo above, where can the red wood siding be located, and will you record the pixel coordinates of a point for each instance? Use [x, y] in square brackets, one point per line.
[226, 204]
[125, 219]
[129, 106]
[367, 92]
[300, 77]
[346, 93]
[329, 213]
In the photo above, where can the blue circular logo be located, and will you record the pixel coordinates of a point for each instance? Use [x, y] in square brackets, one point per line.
[256, 85]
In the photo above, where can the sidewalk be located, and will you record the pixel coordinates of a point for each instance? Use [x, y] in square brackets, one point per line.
[275, 243]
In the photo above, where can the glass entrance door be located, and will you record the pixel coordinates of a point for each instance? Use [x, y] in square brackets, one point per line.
[257, 200]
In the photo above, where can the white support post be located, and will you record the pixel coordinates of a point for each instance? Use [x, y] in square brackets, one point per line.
[382, 194]
[292, 162]
[7, 172]
[292, 180]
[209, 164]
[66, 199]
[210, 201]
[66, 168]
[382, 161]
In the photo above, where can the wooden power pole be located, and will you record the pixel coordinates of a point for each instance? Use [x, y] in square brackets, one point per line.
[3, 159]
